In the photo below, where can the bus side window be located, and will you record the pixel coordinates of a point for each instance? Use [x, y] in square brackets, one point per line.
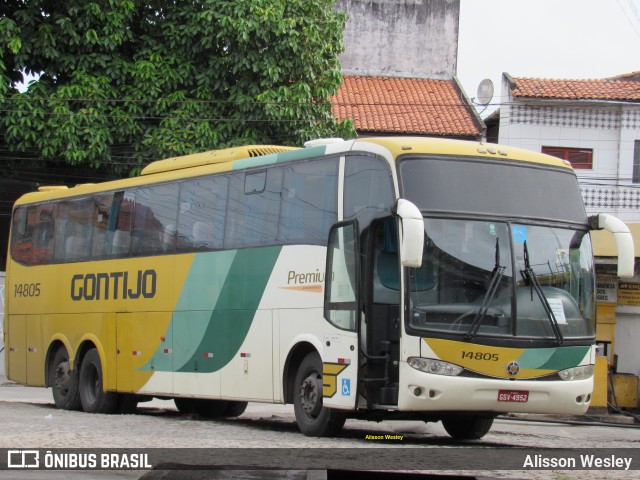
[155, 211]
[121, 223]
[368, 189]
[253, 209]
[309, 202]
[32, 235]
[341, 305]
[386, 264]
[102, 238]
[74, 220]
[201, 214]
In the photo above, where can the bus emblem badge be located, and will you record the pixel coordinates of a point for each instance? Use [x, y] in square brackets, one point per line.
[513, 368]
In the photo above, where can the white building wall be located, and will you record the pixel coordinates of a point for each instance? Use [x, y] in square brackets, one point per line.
[608, 128]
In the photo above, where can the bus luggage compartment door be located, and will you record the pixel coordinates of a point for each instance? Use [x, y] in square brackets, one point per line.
[16, 348]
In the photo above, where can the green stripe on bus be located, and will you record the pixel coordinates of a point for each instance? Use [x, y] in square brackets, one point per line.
[553, 358]
[282, 157]
[566, 357]
[193, 311]
[215, 310]
[234, 312]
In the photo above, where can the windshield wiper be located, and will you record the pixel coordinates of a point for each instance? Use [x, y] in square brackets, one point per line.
[532, 279]
[494, 283]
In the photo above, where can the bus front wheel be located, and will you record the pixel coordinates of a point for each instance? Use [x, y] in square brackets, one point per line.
[92, 396]
[314, 419]
[64, 382]
[235, 409]
[467, 427]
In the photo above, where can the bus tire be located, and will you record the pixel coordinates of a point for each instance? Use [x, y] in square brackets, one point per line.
[469, 427]
[93, 398]
[210, 408]
[127, 404]
[235, 409]
[64, 382]
[184, 405]
[314, 419]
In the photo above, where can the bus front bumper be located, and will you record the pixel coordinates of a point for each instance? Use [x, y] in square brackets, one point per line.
[421, 391]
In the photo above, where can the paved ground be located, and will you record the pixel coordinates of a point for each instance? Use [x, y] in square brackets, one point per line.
[28, 419]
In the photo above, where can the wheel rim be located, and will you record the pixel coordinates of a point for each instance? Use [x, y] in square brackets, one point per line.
[310, 396]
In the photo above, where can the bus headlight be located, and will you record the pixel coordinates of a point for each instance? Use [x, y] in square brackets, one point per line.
[437, 367]
[577, 373]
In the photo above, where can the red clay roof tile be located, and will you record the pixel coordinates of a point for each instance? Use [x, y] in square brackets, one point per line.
[403, 105]
[618, 88]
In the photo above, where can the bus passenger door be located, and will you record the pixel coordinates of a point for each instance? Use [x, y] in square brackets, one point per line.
[340, 345]
[382, 321]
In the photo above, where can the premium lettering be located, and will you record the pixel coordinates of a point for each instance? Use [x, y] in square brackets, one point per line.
[114, 285]
[306, 277]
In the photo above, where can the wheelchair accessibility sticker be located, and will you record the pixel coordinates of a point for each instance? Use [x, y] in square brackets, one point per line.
[519, 233]
[346, 387]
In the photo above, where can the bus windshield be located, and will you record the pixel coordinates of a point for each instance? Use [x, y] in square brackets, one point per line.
[460, 185]
[471, 284]
[506, 261]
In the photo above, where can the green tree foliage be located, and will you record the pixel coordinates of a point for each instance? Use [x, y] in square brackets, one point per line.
[123, 82]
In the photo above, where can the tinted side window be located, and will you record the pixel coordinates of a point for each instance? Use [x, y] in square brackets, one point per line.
[368, 189]
[254, 208]
[102, 237]
[309, 202]
[201, 214]
[154, 221]
[74, 223]
[32, 236]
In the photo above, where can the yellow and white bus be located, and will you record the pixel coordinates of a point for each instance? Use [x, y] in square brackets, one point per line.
[380, 278]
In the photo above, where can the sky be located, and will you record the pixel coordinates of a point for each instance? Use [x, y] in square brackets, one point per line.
[567, 39]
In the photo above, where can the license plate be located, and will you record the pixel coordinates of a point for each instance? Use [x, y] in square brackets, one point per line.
[520, 396]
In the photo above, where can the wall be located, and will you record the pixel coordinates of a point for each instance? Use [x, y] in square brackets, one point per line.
[401, 38]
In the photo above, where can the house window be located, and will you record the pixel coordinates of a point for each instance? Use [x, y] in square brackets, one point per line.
[578, 157]
[636, 161]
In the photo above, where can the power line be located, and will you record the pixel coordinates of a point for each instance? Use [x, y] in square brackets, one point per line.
[634, 11]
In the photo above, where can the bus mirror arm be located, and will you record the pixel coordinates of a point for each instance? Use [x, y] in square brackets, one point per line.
[411, 233]
[623, 238]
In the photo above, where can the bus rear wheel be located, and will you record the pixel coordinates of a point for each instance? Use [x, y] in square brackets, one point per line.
[64, 381]
[92, 396]
[314, 419]
[468, 427]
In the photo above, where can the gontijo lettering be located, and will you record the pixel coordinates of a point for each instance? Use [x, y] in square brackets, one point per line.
[114, 285]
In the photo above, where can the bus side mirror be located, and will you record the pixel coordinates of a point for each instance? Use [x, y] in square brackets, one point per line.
[623, 238]
[411, 233]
